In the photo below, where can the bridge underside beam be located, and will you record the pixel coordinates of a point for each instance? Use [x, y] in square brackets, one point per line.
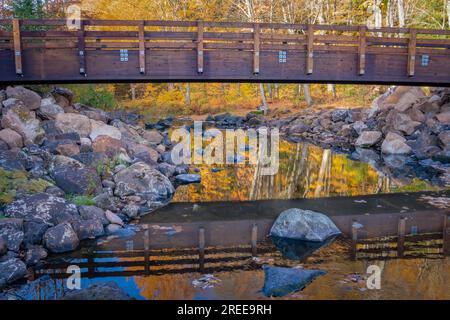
[63, 65]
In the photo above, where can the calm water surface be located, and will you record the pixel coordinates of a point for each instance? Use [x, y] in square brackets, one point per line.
[159, 258]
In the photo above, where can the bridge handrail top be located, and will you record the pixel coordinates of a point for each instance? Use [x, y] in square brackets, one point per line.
[224, 24]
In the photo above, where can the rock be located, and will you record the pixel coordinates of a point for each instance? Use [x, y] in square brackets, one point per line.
[105, 201]
[69, 149]
[88, 229]
[99, 128]
[280, 281]
[35, 254]
[49, 109]
[401, 122]
[107, 145]
[113, 218]
[30, 98]
[339, 115]
[100, 291]
[34, 232]
[304, 225]
[444, 117]
[11, 231]
[141, 180]
[18, 118]
[166, 169]
[395, 144]
[85, 145]
[359, 127]
[407, 96]
[61, 238]
[92, 159]
[64, 93]
[73, 122]
[444, 138]
[13, 160]
[153, 137]
[428, 107]
[3, 247]
[12, 270]
[113, 228]
[298, 249]
[55, 191]
[368, 138]
[143, 153]
[42, 208]
[188, 178]
[131, 210]
[74, 177]
[12, 138]
[416, 115]
[93, 212]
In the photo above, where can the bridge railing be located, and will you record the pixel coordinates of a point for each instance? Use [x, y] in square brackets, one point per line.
[204, 36]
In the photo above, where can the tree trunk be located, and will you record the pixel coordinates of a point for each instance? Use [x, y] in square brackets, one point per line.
[401, 13]
[331, 88]
[263, 98]
[133, 91]
[448, 12]
[307, 94]
[188, 94]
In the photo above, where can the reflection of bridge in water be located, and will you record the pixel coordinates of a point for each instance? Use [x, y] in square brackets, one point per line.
[218, 237]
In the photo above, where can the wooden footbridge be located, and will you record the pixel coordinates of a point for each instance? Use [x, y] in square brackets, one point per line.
[48, 51]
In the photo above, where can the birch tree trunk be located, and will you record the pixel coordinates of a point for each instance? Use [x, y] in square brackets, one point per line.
[263, 98]
[307, 94]
[401, 13]
[448, 12]
[188, 94]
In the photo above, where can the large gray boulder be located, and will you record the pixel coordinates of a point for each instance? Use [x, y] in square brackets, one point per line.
[99, 128]
[16, 116]
[11, 138]
[280, 281]
[99, 291]
[395, 144]
[49, 109]
[11, 231]
[93, 213]
[35, 254]
[30, 98]
[368, 138]
[73, 122]
[12, 270]
[304, 225]
[61, 238]
[146, 182]
[42, 208]
[88, 229]
[74, 177]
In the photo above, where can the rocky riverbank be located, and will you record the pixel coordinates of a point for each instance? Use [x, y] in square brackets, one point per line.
[69, 172]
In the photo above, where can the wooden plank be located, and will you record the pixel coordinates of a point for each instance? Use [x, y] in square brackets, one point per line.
[412, 52]
[362, 51]
[310, 50]
[256, 48]
[354, 251]
[142, 54]
[17, 47]
[200, 49]
[81, 49]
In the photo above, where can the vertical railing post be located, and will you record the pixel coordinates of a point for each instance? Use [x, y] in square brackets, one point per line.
[256, 48]
[254, 240]
[200, 49]
[354, 241]
[310, 50]
[362, 50]
[146, 249]
[142, 55]
[81, 49]
[17, 47]
[401, 237]
[201, 248]
[446, 235]
[412, 52]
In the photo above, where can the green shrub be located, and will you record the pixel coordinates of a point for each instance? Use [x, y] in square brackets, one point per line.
[97, 96]
[81, 200]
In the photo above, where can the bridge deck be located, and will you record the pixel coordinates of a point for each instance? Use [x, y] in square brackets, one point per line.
[47, 51]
